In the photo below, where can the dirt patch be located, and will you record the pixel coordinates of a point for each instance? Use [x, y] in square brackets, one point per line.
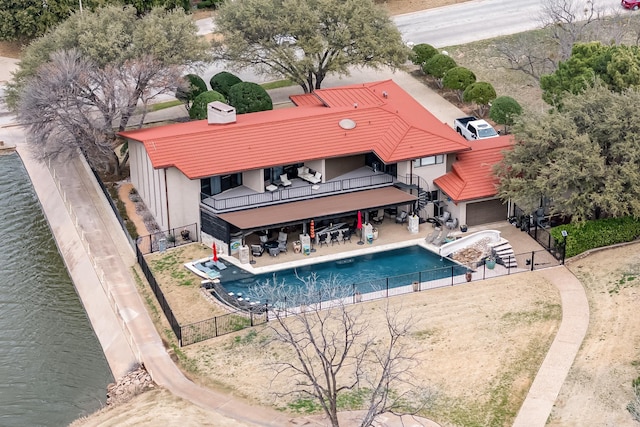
[11, 49]
[124, 190]
[398, 7]
[598, 387]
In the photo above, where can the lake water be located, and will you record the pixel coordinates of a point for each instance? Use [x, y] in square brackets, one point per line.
[52, 367]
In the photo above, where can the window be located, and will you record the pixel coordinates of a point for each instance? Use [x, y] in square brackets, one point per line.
[427, 161]
[217, 184]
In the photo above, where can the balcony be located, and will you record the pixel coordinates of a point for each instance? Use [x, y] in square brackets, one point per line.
[243, 197]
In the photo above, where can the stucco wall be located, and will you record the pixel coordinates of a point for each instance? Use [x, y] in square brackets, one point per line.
[342, 165]
[318, 166]
[431, 172]
[184, 199]
[254, 179]
[148, 182]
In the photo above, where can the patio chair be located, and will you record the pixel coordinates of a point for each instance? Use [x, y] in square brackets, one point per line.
[452, 223]
[335, 237]
[322, 240]
[346, 236]
[257, 250]
[284, 179]
[378, 217]
[402, 218]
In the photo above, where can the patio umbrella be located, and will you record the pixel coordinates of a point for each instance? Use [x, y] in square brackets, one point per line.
[215, 253]
[359, 227]
[312, 230]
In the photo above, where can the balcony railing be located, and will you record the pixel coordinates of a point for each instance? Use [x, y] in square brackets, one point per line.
[293, 193]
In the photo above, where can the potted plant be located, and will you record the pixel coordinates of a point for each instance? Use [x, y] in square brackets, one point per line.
[184, 234]
[491, 262]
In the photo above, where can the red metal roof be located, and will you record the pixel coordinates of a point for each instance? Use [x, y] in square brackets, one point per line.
[471, 176]
[388, 121]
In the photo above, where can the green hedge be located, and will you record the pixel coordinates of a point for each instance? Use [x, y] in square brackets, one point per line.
[597, 234]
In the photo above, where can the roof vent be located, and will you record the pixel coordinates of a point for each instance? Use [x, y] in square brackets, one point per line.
[219, 113]
[355, 105]
[385, 94]
[347, 124]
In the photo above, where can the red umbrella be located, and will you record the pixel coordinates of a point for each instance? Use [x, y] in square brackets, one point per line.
[312, 230]
[359, 225]
[215, 252]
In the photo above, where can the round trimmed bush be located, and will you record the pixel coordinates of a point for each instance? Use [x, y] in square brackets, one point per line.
[422, 52]
[249, 97]
[438, 65]
[504, 110]
[198, 110]
[223, 81]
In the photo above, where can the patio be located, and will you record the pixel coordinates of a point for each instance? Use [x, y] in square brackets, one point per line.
[390, 236]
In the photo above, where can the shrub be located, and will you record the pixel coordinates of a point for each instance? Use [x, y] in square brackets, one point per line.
[597, 234]
[249, 97]
[422, 52]
[198, 110]
[458, 79]
[480, 93]
[437, 66]
[223, 82]
[191, 87]
[504, 110]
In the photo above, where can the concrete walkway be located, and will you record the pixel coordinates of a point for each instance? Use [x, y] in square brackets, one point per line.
[556, 365]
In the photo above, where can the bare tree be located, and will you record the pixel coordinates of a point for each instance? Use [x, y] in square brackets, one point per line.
[530, 56]
[570, 22]
[72, 104]
[337, 351]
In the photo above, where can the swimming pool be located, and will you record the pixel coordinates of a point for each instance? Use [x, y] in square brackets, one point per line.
[363, 273]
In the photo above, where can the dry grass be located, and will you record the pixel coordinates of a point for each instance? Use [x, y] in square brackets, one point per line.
[479, 346]
[180, 286]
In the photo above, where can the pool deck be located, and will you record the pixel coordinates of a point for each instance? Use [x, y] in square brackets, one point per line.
[390, 236]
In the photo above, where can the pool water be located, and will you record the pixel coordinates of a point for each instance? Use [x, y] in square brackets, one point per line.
[364, 273]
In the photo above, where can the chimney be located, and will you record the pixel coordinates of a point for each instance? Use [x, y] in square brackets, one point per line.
[219, 113]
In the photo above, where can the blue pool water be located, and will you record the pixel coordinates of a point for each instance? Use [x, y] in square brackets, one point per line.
[364, 273]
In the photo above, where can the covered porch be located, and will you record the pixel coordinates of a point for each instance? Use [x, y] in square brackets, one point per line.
[234, 228]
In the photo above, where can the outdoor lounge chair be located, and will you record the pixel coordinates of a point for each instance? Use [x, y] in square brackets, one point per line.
[284, 179]
[257, 250]
[402, 218]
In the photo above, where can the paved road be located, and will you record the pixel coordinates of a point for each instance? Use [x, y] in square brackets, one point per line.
[478, 20]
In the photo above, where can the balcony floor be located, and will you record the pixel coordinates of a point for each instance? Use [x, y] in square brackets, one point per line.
[295, 183]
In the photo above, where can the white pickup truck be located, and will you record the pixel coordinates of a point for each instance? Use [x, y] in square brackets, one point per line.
[472, 128]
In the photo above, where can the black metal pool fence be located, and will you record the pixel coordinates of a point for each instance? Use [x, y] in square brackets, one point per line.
[166, 239]
[361, 292]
